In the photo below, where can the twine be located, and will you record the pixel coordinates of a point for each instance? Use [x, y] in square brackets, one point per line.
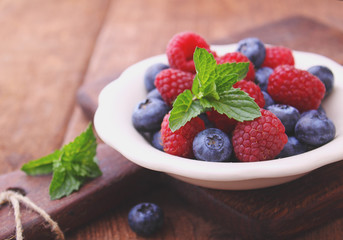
[15, 199]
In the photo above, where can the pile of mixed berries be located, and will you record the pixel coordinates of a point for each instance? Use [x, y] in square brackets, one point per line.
[292, 120]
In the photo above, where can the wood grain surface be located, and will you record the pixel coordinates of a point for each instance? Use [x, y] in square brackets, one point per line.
[121, 180]
[49, 48]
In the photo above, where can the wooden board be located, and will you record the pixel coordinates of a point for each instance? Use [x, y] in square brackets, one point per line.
[45, 48]
[281, 211]
[121, 180]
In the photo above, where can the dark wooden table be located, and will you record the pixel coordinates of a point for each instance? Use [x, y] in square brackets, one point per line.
[49, 49]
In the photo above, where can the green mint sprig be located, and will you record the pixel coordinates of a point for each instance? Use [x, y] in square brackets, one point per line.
[71, 166]
[212, 88]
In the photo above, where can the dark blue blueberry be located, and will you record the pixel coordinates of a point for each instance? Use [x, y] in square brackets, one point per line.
[314, 128]
[293, 147]
[268, 99]
[145, 219]
[150, 75]
[321, 110]
[148, 115]
[262, 76]
[208, 123]
[212, 145]
[157, 141]
[254, 49]
[288, 115]
[325, 75]
[312, 113]
[154, 94]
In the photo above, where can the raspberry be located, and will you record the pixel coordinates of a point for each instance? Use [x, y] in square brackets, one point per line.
[295, 87]
[238, 57]
[253, 90]
[260, 139]
[171, 82]
[180, 142]
[180, 50]
[221, 121]
[276, 56]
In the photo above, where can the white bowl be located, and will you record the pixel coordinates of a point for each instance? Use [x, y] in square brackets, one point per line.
[113, 124]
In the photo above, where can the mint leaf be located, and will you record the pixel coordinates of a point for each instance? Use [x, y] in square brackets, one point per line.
[77, 163]
[41, 166]
[205, 65]
[81, 154]
[240, 68]
[196, 86]
[225, 83]
[238, 105]
[184, 109]
[212, 88]
[63, 182]
[72, 165]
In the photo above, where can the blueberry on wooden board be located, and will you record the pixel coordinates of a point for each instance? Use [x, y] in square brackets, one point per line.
[145, 219]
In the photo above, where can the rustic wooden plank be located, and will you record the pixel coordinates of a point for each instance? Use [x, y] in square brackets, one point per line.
[44, 53]
[323, 39]
[135, 30]
[121, 180]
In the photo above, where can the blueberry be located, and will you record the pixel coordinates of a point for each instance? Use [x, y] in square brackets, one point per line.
[157, 141]
[321, 110]
[293, 147]
[212, 145]
[268, 99]
[254, 49]
[311, 113]
[288, 115]
[208, 123]
[145, 219]
[325, 75]
[148, 115]
[314, 128]
[150, 75]
[154, 94]
[262, 76]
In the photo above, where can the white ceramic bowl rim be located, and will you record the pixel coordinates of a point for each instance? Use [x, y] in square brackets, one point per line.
[113, 124]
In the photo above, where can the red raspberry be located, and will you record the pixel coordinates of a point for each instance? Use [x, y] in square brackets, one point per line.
[253, 90]
[260, 139]
[295, 87]
[180, 142]
[180, 50]
[171, 82]
[221, 121]
[238, 57]
[276, 56]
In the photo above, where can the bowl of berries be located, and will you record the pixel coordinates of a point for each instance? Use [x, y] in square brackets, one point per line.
[240, 116]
